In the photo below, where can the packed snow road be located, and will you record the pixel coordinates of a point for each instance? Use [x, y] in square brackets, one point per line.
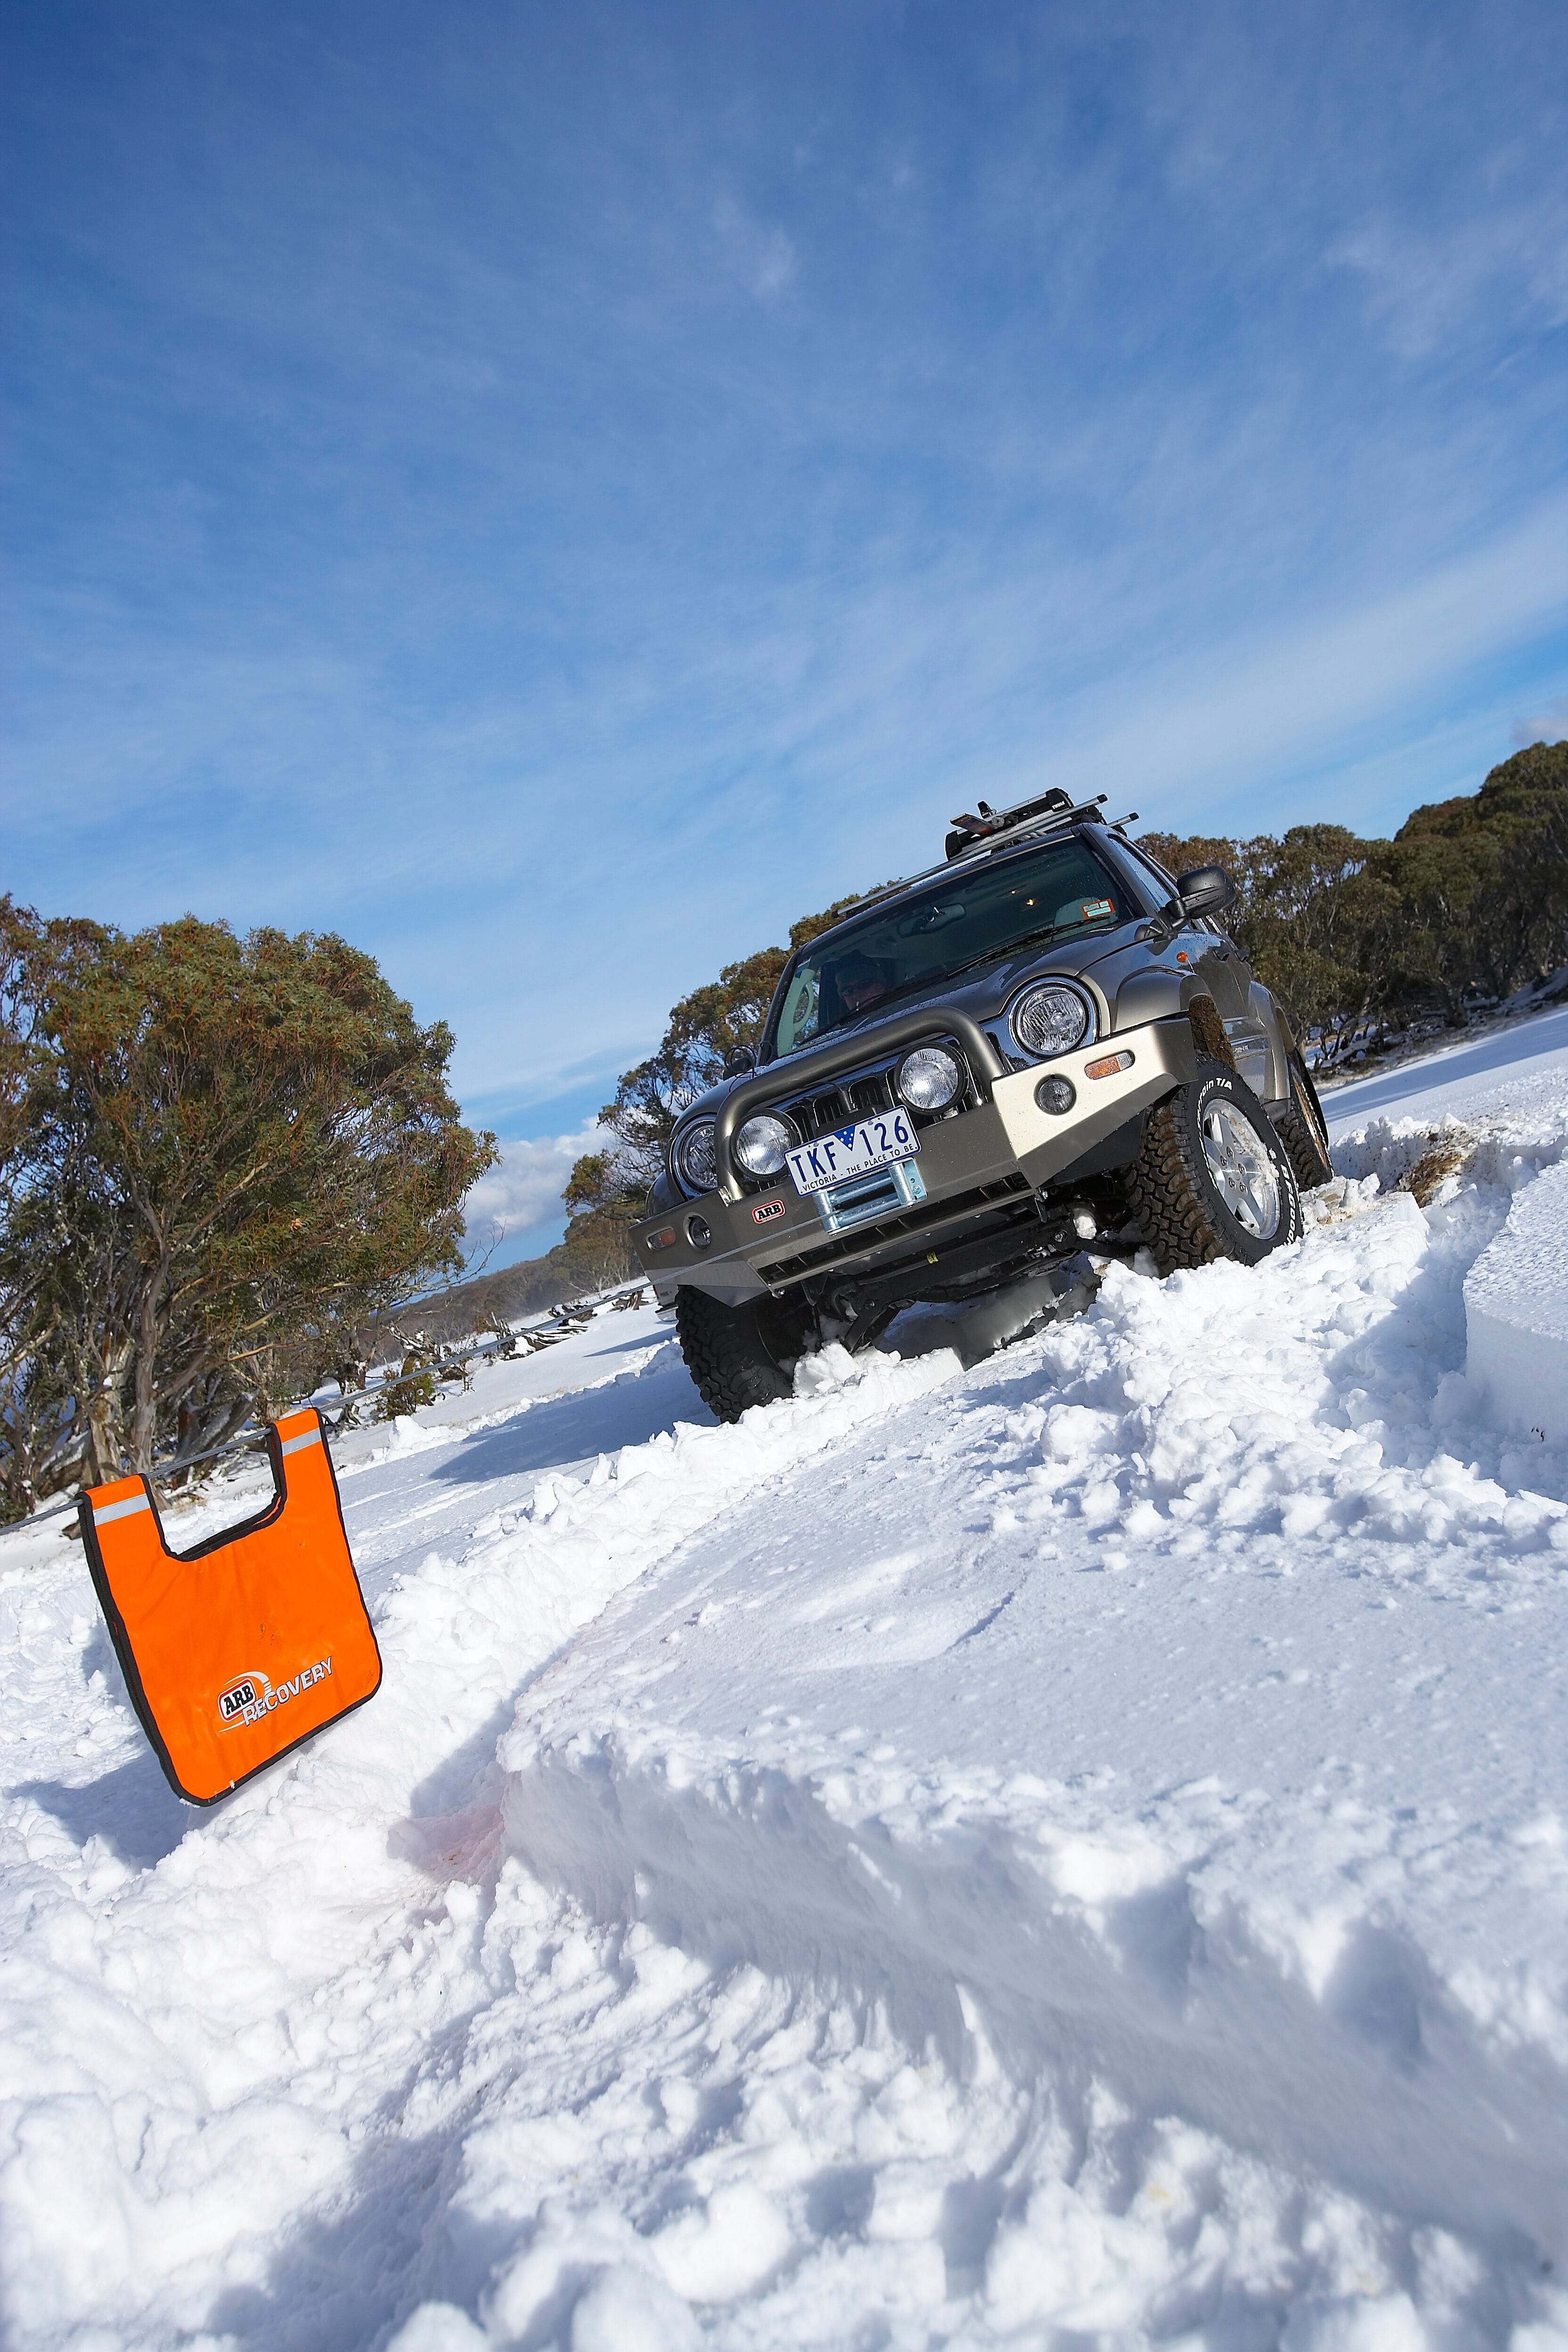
[1075, 1848]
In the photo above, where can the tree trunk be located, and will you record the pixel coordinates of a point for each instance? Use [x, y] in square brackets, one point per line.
[105, 1450]
[145, 1410]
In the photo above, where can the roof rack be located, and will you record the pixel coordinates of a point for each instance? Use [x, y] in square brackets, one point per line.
[997, 829]
[1049, 809]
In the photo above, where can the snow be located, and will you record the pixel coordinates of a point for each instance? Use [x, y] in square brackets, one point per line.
[1070, 1848]
[1516, 1313]
[1447, 1080]
[1516, 1291]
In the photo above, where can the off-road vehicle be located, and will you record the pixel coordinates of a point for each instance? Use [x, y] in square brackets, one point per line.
[1044, 1043]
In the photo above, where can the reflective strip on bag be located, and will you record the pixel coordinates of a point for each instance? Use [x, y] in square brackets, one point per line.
[103, 1512]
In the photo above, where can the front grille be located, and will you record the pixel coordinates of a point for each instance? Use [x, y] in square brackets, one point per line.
[913, 1220]
[838, 1106]
[861, 1094]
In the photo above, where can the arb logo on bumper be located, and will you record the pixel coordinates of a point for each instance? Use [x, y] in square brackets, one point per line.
[766, 1210]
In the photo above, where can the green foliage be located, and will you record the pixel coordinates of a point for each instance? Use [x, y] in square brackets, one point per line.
[1486, 878]
[1470, 897]
[404, 1396]
[415, 1385]
[221, 1156]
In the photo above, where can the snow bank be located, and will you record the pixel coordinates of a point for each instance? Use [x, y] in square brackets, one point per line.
[1507, 1154]
[1516, 1313]
[1073, 1849]
[1120, 1913]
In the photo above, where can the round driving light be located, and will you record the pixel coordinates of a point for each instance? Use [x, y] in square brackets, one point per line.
[1051, 1019]
[1055, 1094]
[928, 1078]
[694, 1161]
[761, 1145]
[698, 1232]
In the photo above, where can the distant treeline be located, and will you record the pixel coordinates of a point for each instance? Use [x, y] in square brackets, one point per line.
[1466, 904]
[594, 1259]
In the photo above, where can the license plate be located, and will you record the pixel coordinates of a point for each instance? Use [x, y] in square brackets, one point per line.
[856, 1151]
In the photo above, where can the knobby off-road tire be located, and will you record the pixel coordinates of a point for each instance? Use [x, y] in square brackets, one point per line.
[738, 1355]
[1175, 1183]
[1304, 1131]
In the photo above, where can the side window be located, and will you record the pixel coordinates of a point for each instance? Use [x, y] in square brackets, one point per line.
[1155, 886]
[797, 1016]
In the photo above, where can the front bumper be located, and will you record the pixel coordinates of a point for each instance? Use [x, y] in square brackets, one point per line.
[988, 1158]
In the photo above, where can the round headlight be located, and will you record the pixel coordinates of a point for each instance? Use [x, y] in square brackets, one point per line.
[1051, 1019]
[694, 1161]
[761, 1145]
[928, 1078]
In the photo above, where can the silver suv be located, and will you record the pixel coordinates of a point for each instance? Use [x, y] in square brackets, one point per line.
[1048, 1041]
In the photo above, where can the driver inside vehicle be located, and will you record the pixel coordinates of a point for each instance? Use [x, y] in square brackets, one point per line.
[860, 984]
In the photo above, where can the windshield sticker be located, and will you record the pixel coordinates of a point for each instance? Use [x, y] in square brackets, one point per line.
[1092, 908]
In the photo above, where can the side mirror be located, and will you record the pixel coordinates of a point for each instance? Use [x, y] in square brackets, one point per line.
[740, 1061]
[1206, 890]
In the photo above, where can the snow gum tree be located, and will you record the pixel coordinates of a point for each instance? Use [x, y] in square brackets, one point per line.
[221, 1155]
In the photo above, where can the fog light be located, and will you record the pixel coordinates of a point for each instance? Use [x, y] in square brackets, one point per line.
[762, 1144]
[698, 1232]
[1055, 1094]
[928, 1078]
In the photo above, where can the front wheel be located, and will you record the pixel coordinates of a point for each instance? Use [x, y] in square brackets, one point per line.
[1212, 1180]
[740, 1356]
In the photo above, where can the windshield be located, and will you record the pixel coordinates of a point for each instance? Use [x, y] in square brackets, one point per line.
[974, 917]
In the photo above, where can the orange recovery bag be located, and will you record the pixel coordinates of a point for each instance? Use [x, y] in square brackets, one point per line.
[236, 1651]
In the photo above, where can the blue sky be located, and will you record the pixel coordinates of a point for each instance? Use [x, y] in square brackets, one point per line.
[555, 493]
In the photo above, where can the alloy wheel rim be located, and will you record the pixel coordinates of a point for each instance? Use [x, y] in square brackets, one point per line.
[1243, 1173]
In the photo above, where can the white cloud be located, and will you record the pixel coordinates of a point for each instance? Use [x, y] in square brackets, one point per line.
[1548, 726]
[763, 258]
[525, 1189]
[1425, 287]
